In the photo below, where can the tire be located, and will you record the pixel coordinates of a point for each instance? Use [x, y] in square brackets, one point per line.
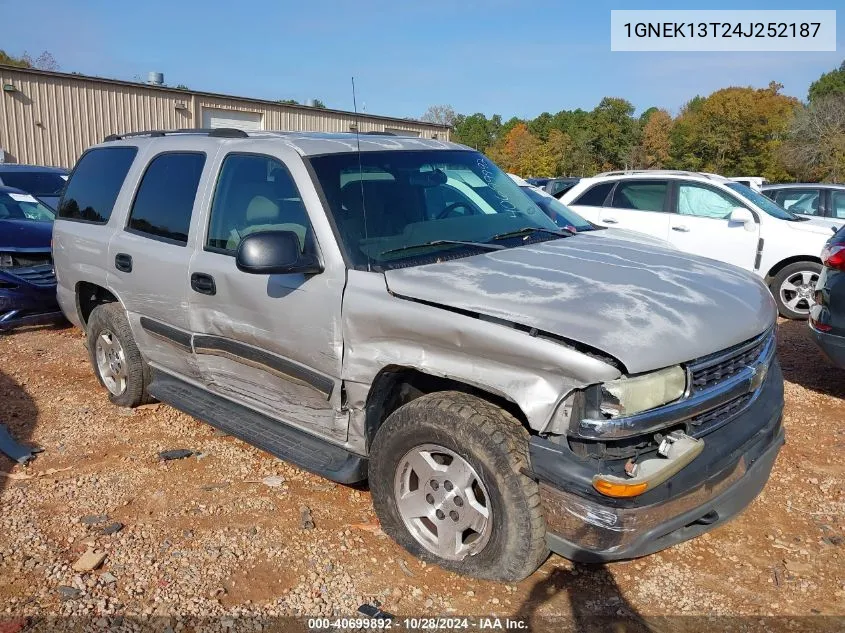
[109, 322]
[793, 289]
[506, 546]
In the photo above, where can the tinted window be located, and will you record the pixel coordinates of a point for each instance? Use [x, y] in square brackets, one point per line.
[803, 201]
[165, 198]
[647, 195]
[704, 202]
[837, 204]
[595, 195]
[95, 183]
[255, 193]
[38, 183]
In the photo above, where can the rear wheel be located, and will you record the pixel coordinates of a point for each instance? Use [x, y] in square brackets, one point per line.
[115, 356]
[445, 475]
[794, 288]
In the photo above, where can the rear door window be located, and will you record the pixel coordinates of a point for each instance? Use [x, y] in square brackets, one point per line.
[837, 204]
[95, 183]
[165, 198]
[642, 195]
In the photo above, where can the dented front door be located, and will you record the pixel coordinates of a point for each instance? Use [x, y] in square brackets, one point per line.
[271, 342]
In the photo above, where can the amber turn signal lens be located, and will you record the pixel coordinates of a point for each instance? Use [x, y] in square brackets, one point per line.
[614, 489]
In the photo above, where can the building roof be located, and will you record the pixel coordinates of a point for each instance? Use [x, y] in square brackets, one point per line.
[188, 92]
[304, 143]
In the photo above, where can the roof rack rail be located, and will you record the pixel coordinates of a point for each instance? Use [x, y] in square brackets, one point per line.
[377, 133]
[219, 132]
[675, 172]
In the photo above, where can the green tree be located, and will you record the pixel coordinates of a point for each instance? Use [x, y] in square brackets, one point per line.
[828, 84]
[734, 131]
[476, 130]
[541, 126]
[11, 60]
[613, 133]
[287, 101]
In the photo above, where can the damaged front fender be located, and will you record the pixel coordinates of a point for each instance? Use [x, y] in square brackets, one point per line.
[381, 330]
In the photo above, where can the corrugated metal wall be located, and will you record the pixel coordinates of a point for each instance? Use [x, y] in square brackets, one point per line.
[50, 119]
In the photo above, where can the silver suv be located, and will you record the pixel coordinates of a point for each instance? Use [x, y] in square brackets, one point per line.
[398, 310]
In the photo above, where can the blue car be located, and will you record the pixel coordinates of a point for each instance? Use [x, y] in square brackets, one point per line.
[45, 183]
[27, 281]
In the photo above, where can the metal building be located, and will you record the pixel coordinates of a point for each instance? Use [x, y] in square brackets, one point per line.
[50, 118]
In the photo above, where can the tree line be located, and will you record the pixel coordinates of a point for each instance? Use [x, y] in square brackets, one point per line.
[734, 131]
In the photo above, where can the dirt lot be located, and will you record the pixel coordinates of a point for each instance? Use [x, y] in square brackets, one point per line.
[206, 536]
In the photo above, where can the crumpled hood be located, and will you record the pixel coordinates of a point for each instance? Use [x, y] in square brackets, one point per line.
[647, 306]
[25, 234]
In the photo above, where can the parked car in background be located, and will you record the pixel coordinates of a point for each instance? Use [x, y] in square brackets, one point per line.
[567, 219]
[715, 217]
[823, 201]
[752, 182]
[553, 186]
[45, 183]
[827, 318]
[27, 282]
[403, 312]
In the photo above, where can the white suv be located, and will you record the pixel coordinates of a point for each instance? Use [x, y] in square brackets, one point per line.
[715, 217]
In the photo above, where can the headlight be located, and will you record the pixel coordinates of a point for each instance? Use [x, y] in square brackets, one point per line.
[627, 396]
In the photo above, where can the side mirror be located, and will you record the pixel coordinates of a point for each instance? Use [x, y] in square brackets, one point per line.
[741, 215]
[274, 253]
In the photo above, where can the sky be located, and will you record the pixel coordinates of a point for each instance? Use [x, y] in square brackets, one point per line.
[511, 57]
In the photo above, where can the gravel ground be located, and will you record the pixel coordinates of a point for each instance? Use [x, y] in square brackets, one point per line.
[221, 533]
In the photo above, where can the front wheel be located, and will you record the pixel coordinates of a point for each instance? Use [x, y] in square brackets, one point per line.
[794, 288]
[115, 356]
[445, 476]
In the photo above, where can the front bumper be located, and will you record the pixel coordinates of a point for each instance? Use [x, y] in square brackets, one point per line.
[28, 299]
[832, 345]
[584, 526]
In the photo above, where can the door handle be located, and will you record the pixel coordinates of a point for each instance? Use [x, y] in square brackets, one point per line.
[680, 229]
[610, 221]
[123, 262]
[203, 284]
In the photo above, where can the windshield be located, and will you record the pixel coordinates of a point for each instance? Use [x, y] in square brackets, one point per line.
[413, 198]
[558, 212]
[761, 201]
[22, 206]
[38, 183]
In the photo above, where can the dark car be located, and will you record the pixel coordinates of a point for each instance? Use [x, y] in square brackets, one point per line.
[45, 183]
[27, 281]
[827, 316]
[554, 186]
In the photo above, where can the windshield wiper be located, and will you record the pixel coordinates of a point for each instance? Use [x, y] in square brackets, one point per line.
[527, 230]
[488, 247]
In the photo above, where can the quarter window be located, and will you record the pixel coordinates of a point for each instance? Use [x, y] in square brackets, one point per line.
[640, 195]
[255, 193]
[595, 195]
[704, 202]
[95, 183]
[165, 198]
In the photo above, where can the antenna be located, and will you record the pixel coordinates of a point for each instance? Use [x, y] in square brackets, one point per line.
[360, 167]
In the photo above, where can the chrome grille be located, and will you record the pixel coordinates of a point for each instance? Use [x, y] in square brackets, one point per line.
[710, 371]
[42, 276]
[713, 417]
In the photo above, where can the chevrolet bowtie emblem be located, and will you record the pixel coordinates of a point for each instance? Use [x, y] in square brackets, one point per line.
[758, 375]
